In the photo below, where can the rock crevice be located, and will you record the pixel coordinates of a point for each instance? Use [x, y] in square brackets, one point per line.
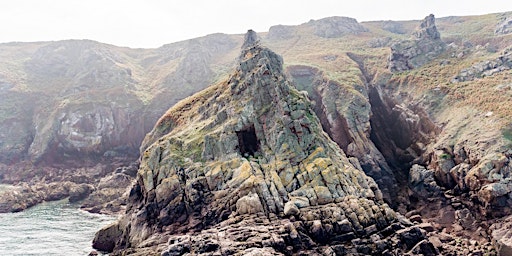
[267, 157]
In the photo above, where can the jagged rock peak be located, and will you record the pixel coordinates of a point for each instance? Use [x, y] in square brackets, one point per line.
[427, 29]
[250, 39]
[425, 45]
[247, 150]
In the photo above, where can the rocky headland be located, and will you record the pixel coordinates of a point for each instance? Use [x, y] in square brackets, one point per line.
[332, 137]
[244, 167]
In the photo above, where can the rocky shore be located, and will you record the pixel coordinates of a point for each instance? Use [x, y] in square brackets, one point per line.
[96, 189]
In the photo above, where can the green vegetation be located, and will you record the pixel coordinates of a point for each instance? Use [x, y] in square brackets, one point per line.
[445, 156]
[507, 133]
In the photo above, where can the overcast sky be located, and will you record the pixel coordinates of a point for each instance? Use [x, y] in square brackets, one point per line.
[152, 23]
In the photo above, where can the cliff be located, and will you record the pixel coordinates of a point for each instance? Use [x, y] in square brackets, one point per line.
[422, 108]
[244, 166]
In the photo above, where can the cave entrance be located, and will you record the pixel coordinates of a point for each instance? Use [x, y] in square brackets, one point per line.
[390, 134]
[248, 141]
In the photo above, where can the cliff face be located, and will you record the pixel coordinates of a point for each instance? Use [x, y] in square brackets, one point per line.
[424, 46]
[74, 111]
[75, 100]
[421, 107]
[245, 151]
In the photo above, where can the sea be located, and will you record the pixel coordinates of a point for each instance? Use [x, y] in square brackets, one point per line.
[50, 228]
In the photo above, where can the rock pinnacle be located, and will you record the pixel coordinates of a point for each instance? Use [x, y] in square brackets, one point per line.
[250, 39]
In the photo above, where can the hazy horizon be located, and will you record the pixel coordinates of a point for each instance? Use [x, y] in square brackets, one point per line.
[150, 24]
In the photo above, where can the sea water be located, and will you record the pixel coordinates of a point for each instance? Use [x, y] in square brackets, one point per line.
[50, 228]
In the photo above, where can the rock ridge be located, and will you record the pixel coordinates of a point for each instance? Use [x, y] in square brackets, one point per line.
[425, 45]
[247, 151]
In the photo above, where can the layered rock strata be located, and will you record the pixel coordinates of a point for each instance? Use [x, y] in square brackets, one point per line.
[244, 167]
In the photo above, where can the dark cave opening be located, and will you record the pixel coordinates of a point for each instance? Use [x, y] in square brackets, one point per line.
[248, 141]
[392, 136]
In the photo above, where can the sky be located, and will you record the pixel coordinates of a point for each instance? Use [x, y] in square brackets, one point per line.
[153, 23]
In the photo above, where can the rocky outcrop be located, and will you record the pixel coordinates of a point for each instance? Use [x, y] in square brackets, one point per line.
[71, 106]
[425, 45]
[110, 194]
[427, 29]
[383, 136]
[280, 32]
[333, 27]
[486, 68]
[245, 167]
[347, 123]
[502, 236]
[73, 114]
[505, 27]
[79, 185]
[25, 196]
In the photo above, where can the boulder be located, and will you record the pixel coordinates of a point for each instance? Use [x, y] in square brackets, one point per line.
[80, 192]
[502, 236]
[106, 238]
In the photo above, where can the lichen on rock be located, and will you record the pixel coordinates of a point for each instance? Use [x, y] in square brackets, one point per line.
[250, 150]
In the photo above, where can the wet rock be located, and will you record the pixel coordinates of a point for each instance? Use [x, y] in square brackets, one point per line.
[80, 192]
[106, 239]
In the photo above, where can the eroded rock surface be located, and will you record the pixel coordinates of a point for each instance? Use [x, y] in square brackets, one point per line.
[79, 185]
[505, 27]
[245, 167]
[486, 68]
[425, 45]
[333, 27]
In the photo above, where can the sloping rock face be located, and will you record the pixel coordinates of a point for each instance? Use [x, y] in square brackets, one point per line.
[383, 136]
[348, 124]
[333, 27]
[504, 27]
[393, 27]
[425, 45]
[244, 167]
[71, 107]
[486, 68]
